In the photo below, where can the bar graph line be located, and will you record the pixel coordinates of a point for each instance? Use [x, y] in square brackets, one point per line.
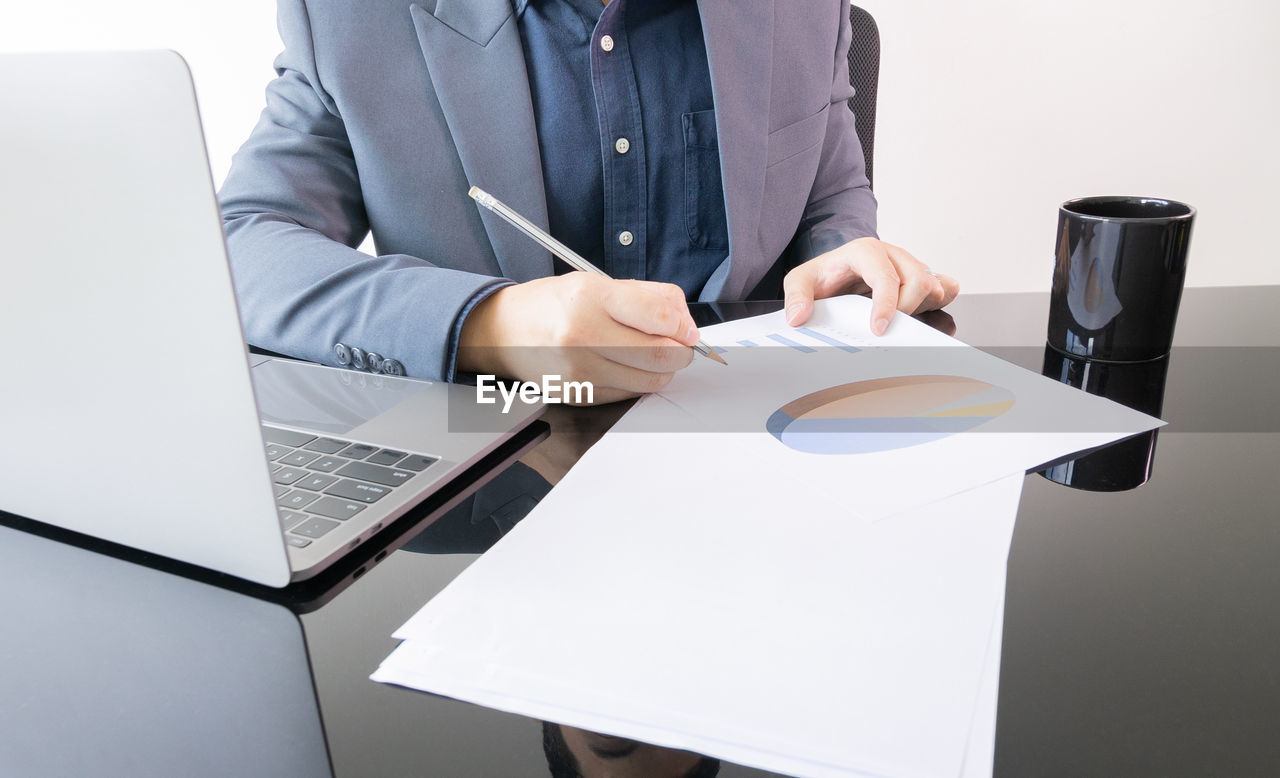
[830, 341]
[747, 343]
[789, 342]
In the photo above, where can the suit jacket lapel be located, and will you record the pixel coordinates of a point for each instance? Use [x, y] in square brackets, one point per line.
[739, 38]
[476, 63]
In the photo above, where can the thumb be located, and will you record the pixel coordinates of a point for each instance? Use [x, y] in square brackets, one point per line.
[797, 290]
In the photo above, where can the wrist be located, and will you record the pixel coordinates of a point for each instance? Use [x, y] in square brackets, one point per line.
[480, 338]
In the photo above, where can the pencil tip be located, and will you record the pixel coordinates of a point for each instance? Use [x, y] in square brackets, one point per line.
[716, 356]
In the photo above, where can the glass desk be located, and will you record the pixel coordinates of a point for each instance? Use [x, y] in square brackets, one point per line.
[1141, 631]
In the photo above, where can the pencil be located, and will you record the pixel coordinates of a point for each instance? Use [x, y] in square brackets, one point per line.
[557, 248]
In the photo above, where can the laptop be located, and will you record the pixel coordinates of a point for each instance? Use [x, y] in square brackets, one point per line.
[131, 408]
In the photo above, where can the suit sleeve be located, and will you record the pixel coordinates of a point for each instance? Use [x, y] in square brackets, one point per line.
[841, 206]
[293, 214]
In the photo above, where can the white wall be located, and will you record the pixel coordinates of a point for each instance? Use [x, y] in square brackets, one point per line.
[991, 113]
[229, 45]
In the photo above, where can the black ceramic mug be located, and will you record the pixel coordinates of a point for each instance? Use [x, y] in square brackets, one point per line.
[1121, 262]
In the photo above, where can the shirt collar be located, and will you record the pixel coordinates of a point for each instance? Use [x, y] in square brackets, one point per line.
[584, 7]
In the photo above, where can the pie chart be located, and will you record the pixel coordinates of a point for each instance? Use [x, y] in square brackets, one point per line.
[882, 414]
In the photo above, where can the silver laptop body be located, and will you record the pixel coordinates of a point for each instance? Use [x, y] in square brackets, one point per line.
[129, 411]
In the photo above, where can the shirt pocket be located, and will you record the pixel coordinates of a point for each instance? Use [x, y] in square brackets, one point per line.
[704, 214]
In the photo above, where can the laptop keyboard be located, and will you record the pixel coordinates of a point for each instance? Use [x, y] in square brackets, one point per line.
[322, 482]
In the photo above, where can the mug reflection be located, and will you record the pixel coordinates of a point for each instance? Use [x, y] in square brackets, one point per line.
[1128, 463]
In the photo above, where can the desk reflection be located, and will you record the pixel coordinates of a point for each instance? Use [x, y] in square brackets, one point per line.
[1128, 463]
[115, 669]
[577, 753]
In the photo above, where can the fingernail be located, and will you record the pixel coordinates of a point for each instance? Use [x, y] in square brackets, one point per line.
[690, 335]
[793, 311]
[880, 325]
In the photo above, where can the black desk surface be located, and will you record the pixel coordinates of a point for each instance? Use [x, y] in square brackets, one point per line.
[1141, 632]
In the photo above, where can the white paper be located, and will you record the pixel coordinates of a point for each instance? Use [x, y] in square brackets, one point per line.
[980, 753]
[1013, 419]
[806, 642]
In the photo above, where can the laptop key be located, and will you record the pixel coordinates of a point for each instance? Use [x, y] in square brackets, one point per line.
[275, 451]
[288, 475]
[290, 518]
[327, 464]
[296, 499]
[286, 437]
[297, 542]
[315, 482]
[386, 457]
[417, 462]
[300, 458]
[280, 489]
[379, 475]
[335, 508]
[357, 451]
[314, 528]
[326, 445]
[354, 490]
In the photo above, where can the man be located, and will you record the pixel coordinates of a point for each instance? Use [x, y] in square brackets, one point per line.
[693, 150]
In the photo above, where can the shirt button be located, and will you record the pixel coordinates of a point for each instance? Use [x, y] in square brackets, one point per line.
[392, 367]
[622, 145]
[342, 353]
[357, 358]
[373, 362]
[625, 238]
[606, 43]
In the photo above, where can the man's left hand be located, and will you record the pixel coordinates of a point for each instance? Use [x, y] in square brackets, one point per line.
[896, 280]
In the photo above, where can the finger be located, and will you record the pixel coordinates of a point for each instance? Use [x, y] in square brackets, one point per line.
[884, 282]
[612, 377]
[652, 308]
[824, 276]
[917, 282]
[950, 290]
[797, 291]
[650, 353]
[945, 289]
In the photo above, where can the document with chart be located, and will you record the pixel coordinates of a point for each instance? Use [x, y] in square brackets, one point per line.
[888, 423]
[795, 561]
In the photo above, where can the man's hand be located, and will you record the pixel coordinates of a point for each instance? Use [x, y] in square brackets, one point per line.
[625, 337]
[897, 282]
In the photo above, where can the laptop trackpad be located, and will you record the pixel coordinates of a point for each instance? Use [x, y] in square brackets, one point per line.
[325, 399]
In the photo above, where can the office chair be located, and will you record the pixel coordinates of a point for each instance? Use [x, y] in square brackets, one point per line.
[864, 75]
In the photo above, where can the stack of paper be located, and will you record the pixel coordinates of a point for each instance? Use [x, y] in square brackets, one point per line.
[818, 592]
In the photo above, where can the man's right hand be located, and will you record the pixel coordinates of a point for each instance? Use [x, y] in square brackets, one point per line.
[625, 337]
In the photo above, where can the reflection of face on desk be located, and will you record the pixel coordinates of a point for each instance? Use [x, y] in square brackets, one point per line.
[577, 753]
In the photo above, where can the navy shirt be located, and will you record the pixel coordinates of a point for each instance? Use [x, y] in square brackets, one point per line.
[626, 131]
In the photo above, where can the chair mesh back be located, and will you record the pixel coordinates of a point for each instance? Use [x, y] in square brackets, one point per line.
[864, 74]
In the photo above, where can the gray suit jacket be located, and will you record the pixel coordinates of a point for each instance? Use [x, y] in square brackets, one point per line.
[386, 111]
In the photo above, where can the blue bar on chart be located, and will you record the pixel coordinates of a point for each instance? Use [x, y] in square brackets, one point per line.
[789, 342]
[718, 349]
[747, 343]
[830, 341]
